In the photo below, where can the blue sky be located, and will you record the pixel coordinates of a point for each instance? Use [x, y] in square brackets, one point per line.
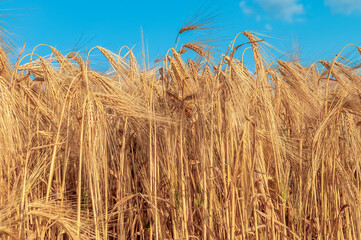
[318, 29]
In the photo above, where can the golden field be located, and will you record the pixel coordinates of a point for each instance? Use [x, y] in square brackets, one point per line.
[191, 149]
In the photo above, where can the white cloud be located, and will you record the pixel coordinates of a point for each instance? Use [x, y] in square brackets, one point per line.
[245, 8]
[344, 6]
[268, 27]
[283, 9]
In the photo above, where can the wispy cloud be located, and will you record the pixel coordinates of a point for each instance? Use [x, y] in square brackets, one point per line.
[282, 9]
[245, 8]
[344, 6]
[268, 27]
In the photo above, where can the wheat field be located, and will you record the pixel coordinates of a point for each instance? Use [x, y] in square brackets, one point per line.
[195, 148]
